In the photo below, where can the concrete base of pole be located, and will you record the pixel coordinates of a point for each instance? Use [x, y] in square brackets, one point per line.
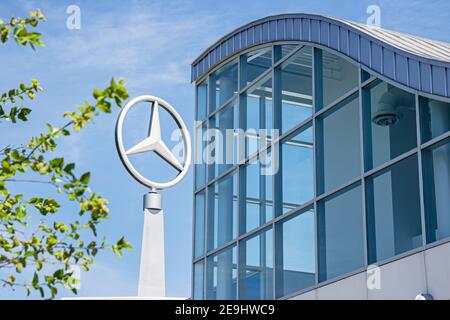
[152, 273]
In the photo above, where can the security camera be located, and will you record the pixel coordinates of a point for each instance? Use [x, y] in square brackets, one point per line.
[386, 113]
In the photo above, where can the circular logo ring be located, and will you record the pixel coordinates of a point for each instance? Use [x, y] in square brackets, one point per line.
[154, 142]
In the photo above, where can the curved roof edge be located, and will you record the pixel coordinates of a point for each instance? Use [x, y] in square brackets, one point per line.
[421, 64]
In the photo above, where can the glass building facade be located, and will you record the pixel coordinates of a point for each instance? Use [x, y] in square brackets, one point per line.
[362, 172]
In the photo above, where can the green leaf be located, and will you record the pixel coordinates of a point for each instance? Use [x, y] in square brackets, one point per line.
[24, 112]
[85, 178]
[11, 279]
[104, 106]
[69, 168]
[19, 267]
[12, 114]
[97, 93]
[59, 274]
[35, 282]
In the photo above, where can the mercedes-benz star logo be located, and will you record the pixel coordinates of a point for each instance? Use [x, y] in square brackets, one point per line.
[154, 142]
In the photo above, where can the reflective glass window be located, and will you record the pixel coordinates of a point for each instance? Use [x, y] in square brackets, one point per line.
[296, 253]
[202, 100]
[297, 169]
[224, 84]
[295, 77]
[256, 194]
[200, 164]
[338, 145]
[222, 207]
[225, 142]
[435, 118]
[436, 176]
[198, 281]
[221, 275]
[257, 113]
[199, 223]
[255, 63]
[389, 122]
[340, 234]
[365, 75]
[256, 267]
[282, 51]
[335, 76]
[393, 210]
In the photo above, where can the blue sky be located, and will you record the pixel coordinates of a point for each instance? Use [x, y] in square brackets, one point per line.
[151, 44]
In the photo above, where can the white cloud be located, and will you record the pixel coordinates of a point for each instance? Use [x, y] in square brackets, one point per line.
[146, 43]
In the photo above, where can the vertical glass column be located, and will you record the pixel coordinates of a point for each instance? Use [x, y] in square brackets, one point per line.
[296, 253]
[222, 215]
[202, 100]
[223, 85]
[256, 267]
[436, 178]
[335, 76]
[297, 176]
[198, 283]
[254, 64]
[393, 210]
[222, 275]
[338, 158]
[200, 165]
[340, 233]
[255, 194]
[199, 224]
[435, 118]
[389, 123]
[295, 81]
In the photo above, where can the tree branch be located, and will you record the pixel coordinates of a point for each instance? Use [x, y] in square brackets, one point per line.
[48, 137]
[32, 181]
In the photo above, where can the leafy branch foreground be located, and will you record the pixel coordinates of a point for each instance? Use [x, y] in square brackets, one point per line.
[38, 250]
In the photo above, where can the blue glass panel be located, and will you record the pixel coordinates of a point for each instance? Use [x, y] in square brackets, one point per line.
[200, 165]
[436, 179]
[222, 211]
[225, 141]
[199, 222]
[297, 170]
[198, 281]
[340, 234]
[255, 63]
[435, 118]
[296, 89]
[258, 116]
[221, 275]
[335, 77]
[285, 50]
[296, 253]
[224, 84]
[338, 145]
[202, 100]
[393, 211]
[256, 267]
[256, 194]
[389, 123]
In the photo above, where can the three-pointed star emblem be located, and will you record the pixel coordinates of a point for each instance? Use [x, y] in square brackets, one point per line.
[154, 141]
